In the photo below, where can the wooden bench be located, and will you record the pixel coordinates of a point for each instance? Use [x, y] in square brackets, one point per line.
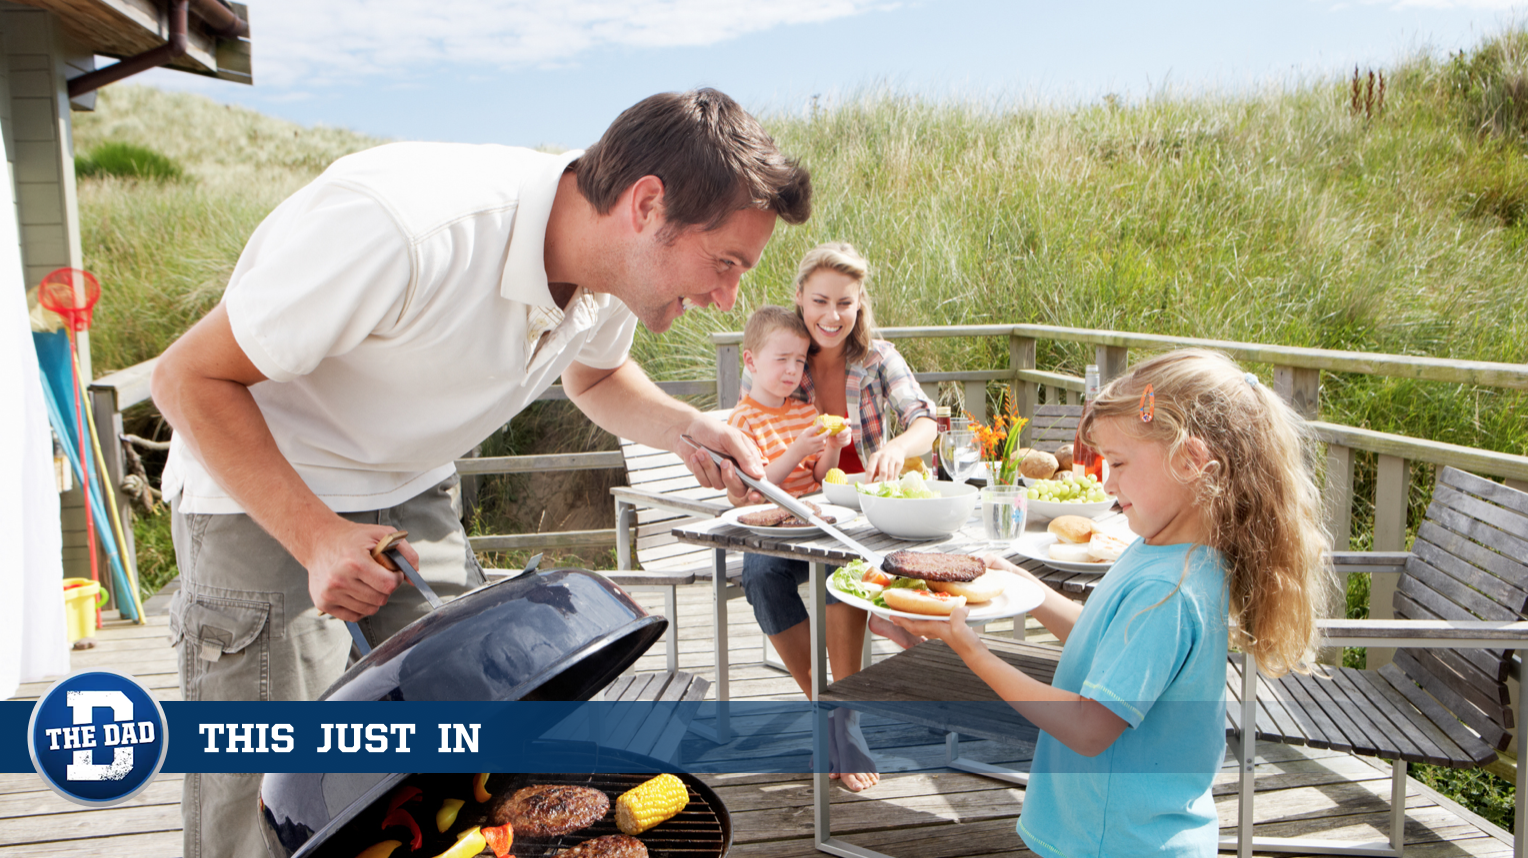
[657, 735]
[662, 494]
[1459, 607]
[1053, 425]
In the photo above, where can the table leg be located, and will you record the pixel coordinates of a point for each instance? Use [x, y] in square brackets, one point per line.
[719, 631]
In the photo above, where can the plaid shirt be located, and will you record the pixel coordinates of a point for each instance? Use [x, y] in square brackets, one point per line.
[882, 378]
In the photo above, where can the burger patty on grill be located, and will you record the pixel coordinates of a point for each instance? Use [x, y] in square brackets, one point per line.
[609, 846]
[781, 517]
[547, 810]
[931, 566]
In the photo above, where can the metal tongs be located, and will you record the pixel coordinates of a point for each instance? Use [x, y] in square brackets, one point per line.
[783, 499]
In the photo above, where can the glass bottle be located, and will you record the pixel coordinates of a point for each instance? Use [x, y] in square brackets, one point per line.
[1085, 459]
[942, 425]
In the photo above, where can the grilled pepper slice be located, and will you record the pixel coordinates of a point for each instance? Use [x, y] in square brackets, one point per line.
[500, 838]
[469, 843]
[399, 816]
[447, 813]
[650, 803]
[380, 850]
[480, 787]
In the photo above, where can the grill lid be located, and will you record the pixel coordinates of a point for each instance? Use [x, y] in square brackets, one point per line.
[563, 634]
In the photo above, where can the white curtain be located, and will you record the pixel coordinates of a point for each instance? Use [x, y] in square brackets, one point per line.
[33, 642]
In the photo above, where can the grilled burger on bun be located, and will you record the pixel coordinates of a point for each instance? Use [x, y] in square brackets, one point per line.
[978, 592]
[921, 601]
[1072, 528]
[934, 566]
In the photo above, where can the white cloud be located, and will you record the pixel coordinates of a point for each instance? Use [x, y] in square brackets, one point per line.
[301, 43]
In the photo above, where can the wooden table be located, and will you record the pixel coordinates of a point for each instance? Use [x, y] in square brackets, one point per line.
[820, 551]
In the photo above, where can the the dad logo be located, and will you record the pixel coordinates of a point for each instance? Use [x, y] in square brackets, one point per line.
[97, 738]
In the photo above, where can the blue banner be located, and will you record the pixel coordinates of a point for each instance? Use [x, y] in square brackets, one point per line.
[548, 737]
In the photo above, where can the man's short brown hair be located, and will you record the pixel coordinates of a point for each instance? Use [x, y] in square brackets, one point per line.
[768, 319]
[714, 159]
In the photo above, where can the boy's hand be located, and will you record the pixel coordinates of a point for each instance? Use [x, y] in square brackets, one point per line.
[810, 442]
[839, 440]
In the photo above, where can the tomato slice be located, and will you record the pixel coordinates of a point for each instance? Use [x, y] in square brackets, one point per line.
[876, 576]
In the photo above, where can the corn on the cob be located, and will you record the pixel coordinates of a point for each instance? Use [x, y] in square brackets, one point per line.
[831, 424]
[835, 476]
[650, 803]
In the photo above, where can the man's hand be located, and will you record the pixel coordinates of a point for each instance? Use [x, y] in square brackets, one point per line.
[724, 439]
[343, 578]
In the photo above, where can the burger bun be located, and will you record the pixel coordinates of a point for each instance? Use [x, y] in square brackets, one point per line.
[978, 592]
[1073, 528]
[920, 602]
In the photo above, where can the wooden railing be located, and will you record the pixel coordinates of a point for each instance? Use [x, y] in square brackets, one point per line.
[1296, 376]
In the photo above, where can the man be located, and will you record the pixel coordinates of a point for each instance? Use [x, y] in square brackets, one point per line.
[384, 320]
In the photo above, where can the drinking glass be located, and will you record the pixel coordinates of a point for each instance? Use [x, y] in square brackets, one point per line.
[1005, 510]
[959, 453]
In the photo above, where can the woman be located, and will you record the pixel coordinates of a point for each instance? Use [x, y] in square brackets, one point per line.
[865, 380]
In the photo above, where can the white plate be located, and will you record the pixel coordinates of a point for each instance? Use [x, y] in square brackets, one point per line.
[1040, 510]
[1036, 546]
[1021, 596]
[843, 514]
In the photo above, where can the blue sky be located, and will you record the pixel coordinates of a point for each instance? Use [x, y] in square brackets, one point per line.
[530, 72]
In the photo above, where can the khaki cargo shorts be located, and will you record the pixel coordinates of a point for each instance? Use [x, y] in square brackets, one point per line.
[247, 630]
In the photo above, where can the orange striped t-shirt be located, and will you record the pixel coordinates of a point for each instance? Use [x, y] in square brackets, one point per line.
[773, 429]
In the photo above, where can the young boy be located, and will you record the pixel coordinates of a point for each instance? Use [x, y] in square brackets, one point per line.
[799, 451]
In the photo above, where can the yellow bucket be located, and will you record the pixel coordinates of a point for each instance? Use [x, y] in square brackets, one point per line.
[81, 596]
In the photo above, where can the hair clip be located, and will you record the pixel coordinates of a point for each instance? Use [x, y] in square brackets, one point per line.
[1148, 404]
[1251, 379]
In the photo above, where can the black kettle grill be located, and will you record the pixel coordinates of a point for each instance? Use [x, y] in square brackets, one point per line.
[557, 635]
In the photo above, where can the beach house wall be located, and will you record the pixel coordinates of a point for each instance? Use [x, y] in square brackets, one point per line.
[44, 44]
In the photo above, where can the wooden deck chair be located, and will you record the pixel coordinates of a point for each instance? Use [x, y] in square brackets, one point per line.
[1459, 607]
[662, 494]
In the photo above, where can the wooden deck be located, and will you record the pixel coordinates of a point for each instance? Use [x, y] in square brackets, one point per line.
[922, 815]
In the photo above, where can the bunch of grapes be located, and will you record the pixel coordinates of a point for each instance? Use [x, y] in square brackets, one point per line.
[1081, 490]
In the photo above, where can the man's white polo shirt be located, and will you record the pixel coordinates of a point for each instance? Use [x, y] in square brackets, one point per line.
[395, 304]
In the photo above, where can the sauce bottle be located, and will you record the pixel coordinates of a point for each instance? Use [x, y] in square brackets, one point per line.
[1085, 459]
[941, 425]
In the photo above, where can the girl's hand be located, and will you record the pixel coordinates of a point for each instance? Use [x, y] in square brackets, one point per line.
[993, 561]
[953, 631]
[841, 440]
[886, 463]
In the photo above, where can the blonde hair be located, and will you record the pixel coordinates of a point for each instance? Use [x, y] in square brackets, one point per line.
[768, 319]
[841, 256]
[1257, 491]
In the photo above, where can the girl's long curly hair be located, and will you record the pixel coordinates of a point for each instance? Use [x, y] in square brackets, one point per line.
[1257, 491]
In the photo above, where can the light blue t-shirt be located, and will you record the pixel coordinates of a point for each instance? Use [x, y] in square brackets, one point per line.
[1162, 668]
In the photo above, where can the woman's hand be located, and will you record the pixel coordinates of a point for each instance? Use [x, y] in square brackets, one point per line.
[886, 463]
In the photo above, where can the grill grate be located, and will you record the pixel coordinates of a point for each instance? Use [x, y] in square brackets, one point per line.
[702, 830]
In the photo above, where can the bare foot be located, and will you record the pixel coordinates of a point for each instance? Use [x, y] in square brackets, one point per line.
[896, 634]
[848, 750]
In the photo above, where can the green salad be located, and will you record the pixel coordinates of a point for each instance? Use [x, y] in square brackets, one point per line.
[911, 486]
[848, 579]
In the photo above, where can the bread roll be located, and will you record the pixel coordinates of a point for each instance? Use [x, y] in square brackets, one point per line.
[1073, 528]
[1037, 465]
[1069, 553]
[1064, 457]
[978, 592]
[1106, 548]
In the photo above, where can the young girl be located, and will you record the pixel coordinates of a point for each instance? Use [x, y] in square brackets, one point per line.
[1210, 470]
